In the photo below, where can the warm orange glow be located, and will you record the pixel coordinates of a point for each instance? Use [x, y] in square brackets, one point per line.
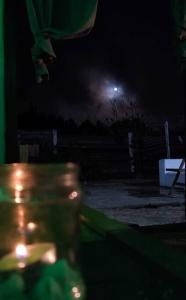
[67, 180]
[18, 198]
[19, 173]
[21, 264]
[17, 194]
[21, 212]
[31, 226]
[18, 187]
[21, 217]
[70, 165]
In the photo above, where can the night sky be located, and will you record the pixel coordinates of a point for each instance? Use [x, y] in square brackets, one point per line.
[132, 47]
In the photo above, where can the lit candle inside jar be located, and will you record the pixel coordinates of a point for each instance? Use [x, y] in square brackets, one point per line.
[21, 255]
[25, 255]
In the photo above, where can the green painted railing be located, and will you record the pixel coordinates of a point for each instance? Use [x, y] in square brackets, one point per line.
[118, 262]
[2, 105]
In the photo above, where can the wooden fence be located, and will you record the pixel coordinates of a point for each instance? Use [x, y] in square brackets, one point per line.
[105, 157]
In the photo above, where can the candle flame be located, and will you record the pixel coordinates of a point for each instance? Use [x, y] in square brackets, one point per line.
[21, 255]
[21, 251]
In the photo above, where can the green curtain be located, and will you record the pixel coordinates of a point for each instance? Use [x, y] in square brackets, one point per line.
[179, 13]
[57, 19]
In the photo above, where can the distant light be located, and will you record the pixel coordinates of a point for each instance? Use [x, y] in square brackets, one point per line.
[112, 91]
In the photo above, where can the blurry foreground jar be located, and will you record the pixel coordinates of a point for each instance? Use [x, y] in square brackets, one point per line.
[39, 232]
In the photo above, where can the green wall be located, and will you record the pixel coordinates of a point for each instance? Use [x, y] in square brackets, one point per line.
[2, 105]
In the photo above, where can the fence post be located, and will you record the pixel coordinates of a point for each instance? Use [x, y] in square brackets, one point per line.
[131, 152]
[55, 140]
[24, 153]
[167, 138]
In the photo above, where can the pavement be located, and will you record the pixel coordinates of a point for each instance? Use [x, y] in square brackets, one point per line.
[140, 202]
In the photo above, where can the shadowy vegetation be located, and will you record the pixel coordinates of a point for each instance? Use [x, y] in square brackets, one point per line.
[102, 145]
[32, 119]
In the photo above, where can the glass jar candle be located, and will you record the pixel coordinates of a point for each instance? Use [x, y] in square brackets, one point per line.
[39, 230]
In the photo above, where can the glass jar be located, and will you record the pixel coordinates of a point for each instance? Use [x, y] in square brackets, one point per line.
[39, 230]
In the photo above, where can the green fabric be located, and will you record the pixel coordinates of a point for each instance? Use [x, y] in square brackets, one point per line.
[12, 288]
[57, 19]
[179, 13]
[55, 283]
[2, 106]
